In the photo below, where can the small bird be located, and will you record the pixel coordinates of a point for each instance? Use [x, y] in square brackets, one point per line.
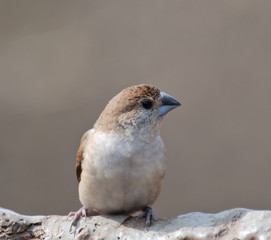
[121, 162]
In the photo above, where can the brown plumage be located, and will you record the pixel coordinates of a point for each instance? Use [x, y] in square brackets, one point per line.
[79, 156]
[125, 103]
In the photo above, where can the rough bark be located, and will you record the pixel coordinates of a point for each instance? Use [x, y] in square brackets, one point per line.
[231, 224]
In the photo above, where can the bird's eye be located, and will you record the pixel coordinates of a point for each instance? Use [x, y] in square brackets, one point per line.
[146, 103]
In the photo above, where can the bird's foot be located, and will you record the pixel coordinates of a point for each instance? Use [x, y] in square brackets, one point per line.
[149, 215]
[82, 212]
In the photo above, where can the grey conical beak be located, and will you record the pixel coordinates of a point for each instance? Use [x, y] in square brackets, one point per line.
[168, 103]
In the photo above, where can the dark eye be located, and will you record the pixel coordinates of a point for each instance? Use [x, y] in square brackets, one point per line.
[146, 103]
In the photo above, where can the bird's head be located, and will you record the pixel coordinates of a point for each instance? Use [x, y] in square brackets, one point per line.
[136, 110]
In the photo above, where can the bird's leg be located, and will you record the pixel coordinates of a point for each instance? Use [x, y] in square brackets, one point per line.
[149, 215]
[76, 215]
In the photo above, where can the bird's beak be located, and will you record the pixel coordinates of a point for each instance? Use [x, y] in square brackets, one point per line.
[168, 103]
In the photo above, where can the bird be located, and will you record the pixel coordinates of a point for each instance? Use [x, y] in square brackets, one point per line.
[121, 161]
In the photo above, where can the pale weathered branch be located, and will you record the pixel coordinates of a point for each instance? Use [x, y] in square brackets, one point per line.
[232, 224]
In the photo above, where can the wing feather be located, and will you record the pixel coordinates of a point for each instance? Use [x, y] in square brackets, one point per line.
[80, 153]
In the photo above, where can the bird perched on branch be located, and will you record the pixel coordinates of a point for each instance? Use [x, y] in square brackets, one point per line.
[120, 163]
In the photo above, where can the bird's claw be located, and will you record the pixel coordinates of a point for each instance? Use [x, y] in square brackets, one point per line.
[82, 212]
[149, 215]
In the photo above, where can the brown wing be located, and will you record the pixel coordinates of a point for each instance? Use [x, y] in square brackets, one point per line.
[79, 155]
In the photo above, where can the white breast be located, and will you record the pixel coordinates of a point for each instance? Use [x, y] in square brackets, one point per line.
[120, 175]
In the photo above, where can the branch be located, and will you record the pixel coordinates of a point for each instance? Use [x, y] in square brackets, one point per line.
[231, 224]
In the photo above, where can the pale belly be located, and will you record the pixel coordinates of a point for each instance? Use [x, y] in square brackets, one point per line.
[122, 181]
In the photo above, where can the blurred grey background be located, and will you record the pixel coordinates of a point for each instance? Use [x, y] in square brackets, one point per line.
[62, 61]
